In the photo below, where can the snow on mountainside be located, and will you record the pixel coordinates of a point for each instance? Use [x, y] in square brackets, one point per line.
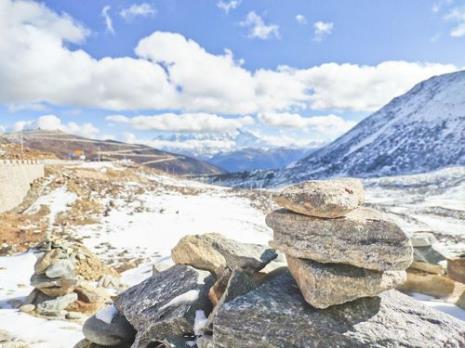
[419, 131]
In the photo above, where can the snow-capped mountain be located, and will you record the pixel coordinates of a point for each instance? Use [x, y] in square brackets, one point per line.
[419, 131]
[234, 151]
[253, 158]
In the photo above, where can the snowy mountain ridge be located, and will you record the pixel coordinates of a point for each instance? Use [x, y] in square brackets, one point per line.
[420, 131]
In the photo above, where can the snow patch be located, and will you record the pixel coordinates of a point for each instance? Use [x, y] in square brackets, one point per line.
[107, 314]
[187, 297]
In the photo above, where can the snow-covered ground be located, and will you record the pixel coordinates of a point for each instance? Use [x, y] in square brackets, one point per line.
[146, 224]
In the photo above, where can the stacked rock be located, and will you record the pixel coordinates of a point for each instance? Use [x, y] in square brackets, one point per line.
[336, 250]
[64, 282]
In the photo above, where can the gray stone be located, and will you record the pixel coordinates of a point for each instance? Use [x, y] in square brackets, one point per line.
[276, 315]
[423, 239]
[362, 239]
[60, 269]
[164, 305]
[205, 342]
[56, 305]
[53, 287]
[239, 284]
[323, 198]
[323, 285]
[214, 252]
[118, 332]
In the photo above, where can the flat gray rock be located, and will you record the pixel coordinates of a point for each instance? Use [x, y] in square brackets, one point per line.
[56, 305]
[214, 252]
[117, 332]
[276, 315]
[323, 198]
[363, 239]
[164, 305]
[324, 285]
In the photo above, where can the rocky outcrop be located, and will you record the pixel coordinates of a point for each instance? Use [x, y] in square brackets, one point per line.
[276, 315]
[327, 199]
[163, 307]
[214, 252]
[324, 285]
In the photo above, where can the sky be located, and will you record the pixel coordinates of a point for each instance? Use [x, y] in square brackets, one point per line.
[292, 73]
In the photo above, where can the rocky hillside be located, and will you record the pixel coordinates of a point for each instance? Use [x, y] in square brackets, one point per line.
[65, 146]
[419, 131]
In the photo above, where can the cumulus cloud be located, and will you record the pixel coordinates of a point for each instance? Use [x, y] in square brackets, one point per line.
[300, 18]
[189, 123]
[138, 10]
[54, 123]
[330, 125]
[172, 72]
[322, 30]
[258, 29]
[107, 19]
[457, 16]
[227, 6]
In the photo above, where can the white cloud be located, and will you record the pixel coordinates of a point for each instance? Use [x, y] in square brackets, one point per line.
[171, 72]
[190, 123]
[138, 10]
[107, 19]
[322, 30]
[457, 16]
[53, 123]
[300, 18]
[329, 125]
[258, 28]
[227, 6]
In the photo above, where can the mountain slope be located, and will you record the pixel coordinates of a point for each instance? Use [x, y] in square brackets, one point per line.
[65, 145]
[419, 131]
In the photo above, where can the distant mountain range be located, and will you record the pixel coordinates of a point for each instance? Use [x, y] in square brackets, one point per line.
[233, 151]
[66, 146]
[418, 132]
[250, 159]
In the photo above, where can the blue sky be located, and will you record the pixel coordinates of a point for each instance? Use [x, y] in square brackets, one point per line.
[292, 72]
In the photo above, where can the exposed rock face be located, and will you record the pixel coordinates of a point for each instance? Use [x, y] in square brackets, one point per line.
[115, 333]
[163, 306]
[327, 199]
[324, 285]
[53, 287]
[276, 315]
[214, 252]
[362, 239]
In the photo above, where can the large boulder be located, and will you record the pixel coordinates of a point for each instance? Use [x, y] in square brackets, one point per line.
[325, 198]
[276, 315]
[214, 252]
[164, 306]
[325, 285]
[113, 332]
[363, 239]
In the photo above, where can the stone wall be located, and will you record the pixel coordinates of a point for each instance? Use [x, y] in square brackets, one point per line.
[15, 180]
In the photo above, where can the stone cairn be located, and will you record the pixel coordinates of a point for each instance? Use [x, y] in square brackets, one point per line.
[221, 293]
[64, 282]
[336, 250]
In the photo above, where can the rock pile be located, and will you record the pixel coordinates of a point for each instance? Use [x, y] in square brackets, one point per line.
[225, 294]
[64, 282]
[337, 250]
